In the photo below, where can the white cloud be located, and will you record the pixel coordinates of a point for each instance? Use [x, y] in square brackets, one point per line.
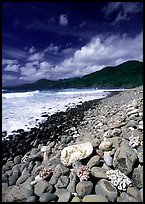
[14, 53]
[124, 10]
[12, 67]
[8, 79]
[35, 56]
[28, 71]
[100, 52]
[63, 20]
[45, 66]
[31, 64]
[32, 50]
[52, 48]
[9, 61]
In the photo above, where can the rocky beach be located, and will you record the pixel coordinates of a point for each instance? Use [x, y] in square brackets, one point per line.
[90, 153]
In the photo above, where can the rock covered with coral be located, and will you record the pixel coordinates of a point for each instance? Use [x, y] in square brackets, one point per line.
[43, 174]
[82, 171]
[76, 152]
[119, 179]
[134, 141]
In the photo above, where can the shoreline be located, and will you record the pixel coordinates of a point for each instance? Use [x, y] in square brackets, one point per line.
[111, 119]
[33, 119]
[21, 134]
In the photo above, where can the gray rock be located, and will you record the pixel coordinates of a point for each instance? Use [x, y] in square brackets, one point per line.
[33, 151]
[60, 191]
[116, 141]
[9, 172]
[17, 193]
[23, 166]
[23, 177]
[16, 167]
[30, 166]
[116, 132]
[105, 145]
[47, 197]
[95, 142]
[76, 199]
[27, 184]
[35, 142]
[137, 177]
[40, 187]
[131, 123]
[69, 139]
[140, 157]
[124, 159]
[124, 197]
[37, 163]
[50, 188]
[5, 190]
[8, 166]
[17, 160]
[31, 199]
[4, 178]
[108, 159]
[13, 179]
[134, 192]
[84, 188]
[141, 193]
[58, 171]
[62, 182]
[94, 198]
[94, 161]
[106, 188]
[73, 181]
[98, 172]
[65, 197]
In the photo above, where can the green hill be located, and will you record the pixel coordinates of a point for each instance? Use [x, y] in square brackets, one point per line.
[128, 75]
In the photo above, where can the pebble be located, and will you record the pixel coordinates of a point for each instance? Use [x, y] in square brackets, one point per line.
[108, 159]
[31, 199]
[76, 199]
[106, 188]
[47, 197]
[105, 145]
[98, 172]
[94, 198]
[84, 188]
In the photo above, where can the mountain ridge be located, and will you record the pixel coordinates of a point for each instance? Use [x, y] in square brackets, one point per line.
[128, 74]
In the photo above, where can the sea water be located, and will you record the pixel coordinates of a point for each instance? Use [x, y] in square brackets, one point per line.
[24, 109]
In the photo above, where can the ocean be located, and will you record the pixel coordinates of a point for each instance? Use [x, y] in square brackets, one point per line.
[25, 109]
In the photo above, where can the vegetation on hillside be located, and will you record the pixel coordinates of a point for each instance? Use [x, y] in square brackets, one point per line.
[128, 75]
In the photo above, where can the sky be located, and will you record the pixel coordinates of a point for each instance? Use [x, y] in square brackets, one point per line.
[56, 40]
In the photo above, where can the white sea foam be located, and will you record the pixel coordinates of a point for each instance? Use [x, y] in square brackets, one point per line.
[21, 109]
[19, 94]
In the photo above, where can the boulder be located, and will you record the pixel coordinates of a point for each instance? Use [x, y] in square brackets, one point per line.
[84, 188]
[18, 193]
[124, 159]
[137, 176]
[106, 188]
[94, 198]
[74, 153]
[40, 187]
[47, 197]
[98, 172]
